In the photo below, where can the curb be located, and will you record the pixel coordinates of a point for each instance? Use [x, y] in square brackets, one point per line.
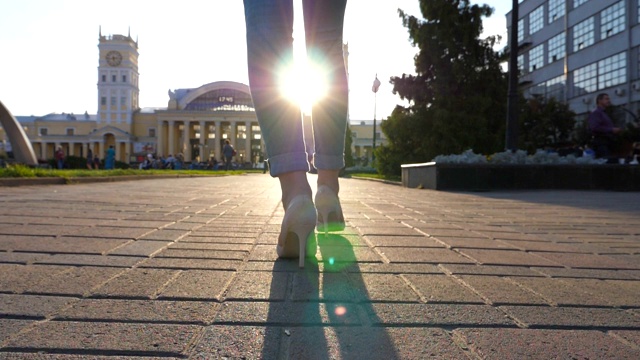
[389, 182]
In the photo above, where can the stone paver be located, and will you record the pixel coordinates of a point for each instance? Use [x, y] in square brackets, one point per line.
[32, 306]
[109, 338]
[416, 274]
[136, 283]
[517, 344]
[186, 312]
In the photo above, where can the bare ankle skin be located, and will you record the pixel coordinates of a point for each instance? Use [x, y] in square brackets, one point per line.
[293, 184]
[329, 178]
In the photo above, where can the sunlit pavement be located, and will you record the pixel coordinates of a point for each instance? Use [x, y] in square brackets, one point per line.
[186, 268]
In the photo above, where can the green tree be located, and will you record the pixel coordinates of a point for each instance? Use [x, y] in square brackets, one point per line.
[348, 142]
[545, 123]
[457, 97]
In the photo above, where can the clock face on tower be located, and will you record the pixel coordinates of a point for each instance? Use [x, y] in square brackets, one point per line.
[114, 58]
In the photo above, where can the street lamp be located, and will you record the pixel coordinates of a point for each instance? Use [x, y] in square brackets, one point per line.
[374, 88]
[512, 102]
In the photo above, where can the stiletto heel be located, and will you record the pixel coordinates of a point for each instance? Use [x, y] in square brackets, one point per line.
[298, 225]
[330, 217]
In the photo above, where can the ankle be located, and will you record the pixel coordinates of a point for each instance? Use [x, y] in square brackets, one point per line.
[294, 184]
[329, 178]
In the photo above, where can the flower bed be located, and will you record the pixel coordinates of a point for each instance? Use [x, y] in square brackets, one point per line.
[473, 172]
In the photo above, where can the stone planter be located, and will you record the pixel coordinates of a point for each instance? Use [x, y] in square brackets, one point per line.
[485, 177]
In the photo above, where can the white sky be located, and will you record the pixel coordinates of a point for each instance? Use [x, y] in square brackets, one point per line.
[50, 49]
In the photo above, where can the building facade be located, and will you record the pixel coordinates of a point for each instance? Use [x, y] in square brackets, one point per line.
[196, 122]
[574, 49]
[362, 139]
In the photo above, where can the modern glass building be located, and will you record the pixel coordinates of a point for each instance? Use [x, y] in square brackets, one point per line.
[574, 49]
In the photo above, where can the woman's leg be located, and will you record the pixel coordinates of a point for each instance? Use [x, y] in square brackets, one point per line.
[324, 22]
[270, 52]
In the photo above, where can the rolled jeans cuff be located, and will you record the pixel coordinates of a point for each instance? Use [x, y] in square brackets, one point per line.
[281, 164]
[328, 162]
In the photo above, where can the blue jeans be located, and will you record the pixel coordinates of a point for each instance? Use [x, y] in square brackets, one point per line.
[269, 49]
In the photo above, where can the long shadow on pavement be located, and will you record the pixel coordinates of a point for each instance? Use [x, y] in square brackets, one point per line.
[330, 307]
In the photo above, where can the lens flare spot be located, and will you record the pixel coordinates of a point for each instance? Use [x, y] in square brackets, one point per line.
[304, 83]
[332, 261]
[340, 310]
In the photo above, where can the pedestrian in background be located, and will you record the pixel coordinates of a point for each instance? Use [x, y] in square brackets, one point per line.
[59, 157]
[89, 159]
[228, 151]
[602, 129]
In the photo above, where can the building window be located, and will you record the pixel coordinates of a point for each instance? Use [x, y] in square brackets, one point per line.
[70, 131]
[103, 100]
[124, 78]
[603, 74]
[104, 78]
[521, 63]
[583, 34]
[577, 3]
[536, 19]
[123, 101]
[44, 131]
[612, 70]
[521, 30]
[536, 58]
[556, 10]
[612, 20]
[113, 78]
[585, 79]
[555, 48]
[152, 132]
[113, 101]
[555, 87]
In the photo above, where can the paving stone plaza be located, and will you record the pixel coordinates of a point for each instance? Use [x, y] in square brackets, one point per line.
[186, 268]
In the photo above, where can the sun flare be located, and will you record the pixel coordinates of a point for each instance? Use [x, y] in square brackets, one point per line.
[304, 84]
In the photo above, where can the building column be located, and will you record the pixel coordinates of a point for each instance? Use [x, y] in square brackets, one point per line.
[170, 129]
[128, 151]
[232, 132]
[186, 146]
[101, 153]
[118, 152]
[203, 138]
[84, 149]
[247, 142]
[216, 147]
[43, 150]
[71, 146]
[159, 138]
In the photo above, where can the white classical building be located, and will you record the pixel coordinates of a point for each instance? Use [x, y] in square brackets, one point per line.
[195, 122]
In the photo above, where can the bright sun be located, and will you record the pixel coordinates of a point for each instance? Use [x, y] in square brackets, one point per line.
[304, 84]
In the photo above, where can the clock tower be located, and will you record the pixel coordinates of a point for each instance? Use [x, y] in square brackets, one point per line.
[118, 91]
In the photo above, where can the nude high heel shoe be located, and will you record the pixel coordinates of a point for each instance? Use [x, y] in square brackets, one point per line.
[330, 217]
[297, 228]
